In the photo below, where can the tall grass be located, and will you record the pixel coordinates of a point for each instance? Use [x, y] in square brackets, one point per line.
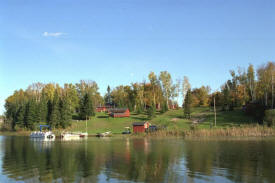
[244, 131]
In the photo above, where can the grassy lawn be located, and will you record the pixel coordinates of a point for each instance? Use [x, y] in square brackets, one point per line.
[172, 119]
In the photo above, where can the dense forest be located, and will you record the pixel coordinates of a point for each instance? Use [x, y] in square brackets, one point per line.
[249, 88]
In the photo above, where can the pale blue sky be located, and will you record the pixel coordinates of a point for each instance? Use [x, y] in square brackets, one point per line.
[120, 41]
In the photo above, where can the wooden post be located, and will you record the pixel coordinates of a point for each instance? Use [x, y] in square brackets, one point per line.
[215, 111]
[86, 124]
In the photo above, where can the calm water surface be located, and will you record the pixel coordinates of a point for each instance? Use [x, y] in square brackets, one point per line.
[137, 160]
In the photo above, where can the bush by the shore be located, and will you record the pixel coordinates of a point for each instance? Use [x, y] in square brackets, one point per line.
[270, 117]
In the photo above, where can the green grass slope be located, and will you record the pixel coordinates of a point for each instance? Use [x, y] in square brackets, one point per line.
[203, 117]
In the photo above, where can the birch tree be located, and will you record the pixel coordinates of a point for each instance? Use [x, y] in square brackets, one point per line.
[185, 87]
[251, 82]
[167, 85]
[153, 80]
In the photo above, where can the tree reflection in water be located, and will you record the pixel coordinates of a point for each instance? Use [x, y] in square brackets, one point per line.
[245, 160]
[138, 160]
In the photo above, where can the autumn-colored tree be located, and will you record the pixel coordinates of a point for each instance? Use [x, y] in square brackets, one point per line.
[200, 96]
[264, 86]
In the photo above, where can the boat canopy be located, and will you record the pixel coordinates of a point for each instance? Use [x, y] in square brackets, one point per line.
[47, 126]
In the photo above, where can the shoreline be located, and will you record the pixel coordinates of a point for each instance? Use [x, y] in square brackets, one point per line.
[247, 131]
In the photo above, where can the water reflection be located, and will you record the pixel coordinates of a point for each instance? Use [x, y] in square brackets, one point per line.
[236, 160]
[137, 160]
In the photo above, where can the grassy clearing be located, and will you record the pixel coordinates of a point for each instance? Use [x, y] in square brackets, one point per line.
[102, 122]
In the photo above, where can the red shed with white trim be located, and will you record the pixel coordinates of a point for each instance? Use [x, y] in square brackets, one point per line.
[140, 126]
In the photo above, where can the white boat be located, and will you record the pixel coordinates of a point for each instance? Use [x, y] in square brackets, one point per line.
[43, 135]
[105, 134]
[70, 136]
[83, 134]
[73, 135]
[48, 135]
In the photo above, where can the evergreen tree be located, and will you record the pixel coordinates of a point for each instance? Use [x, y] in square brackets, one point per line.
[43, 106]
[29, 117]
[87, 108]
[139, 109]
[49, 111]
[37, 112]
[187, 104]
[164, 107]
[109, 97]
[65, 112]
[151, 111]
[20, 116]
[54, 116]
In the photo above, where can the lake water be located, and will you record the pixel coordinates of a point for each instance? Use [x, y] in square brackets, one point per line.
[137, 160]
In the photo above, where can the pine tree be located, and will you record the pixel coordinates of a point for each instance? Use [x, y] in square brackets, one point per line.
[29, 117]
[65, 112]
[54, 118]
[109, 97]
[164, 107]
[37, 113]
[20, 116]
[49, 111]
[187, 104]
[139, 109]
[43, 109]
[151, 111]
[87, 107]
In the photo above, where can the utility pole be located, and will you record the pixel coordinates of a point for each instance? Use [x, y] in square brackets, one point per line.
[272, 102]
[215, 111]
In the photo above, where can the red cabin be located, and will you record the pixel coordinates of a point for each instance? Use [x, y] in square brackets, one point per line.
[119, 113]
[140, 127]
[103, 108]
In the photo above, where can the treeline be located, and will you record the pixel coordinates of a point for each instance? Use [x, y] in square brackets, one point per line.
[56, 105]
[159, 92]
[52, 104]
[248, 88]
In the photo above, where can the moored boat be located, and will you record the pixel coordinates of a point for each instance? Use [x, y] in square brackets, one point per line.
[43, 135]
[105, 134]
[84, 134]
[70, 136]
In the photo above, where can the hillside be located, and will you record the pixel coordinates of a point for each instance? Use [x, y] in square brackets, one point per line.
[173, 119]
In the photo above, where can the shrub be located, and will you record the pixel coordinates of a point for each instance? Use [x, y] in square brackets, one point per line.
[194, 127]
[256, 111]
[270, 117]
